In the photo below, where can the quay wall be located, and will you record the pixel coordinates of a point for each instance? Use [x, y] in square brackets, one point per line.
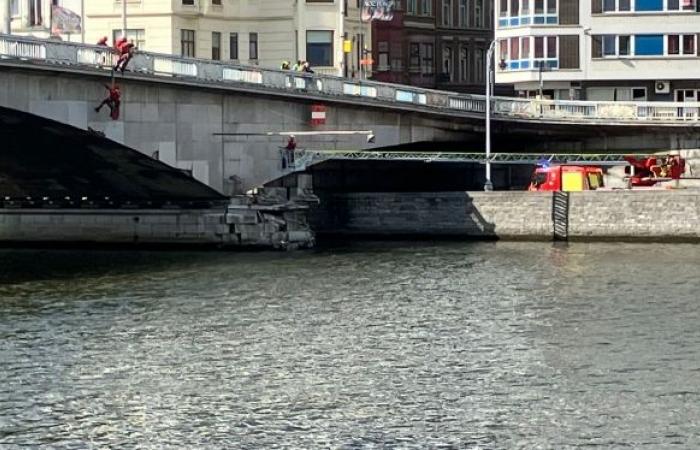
[113, 226]
[595, 215]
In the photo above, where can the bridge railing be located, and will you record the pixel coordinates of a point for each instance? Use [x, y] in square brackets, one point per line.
[391, 95]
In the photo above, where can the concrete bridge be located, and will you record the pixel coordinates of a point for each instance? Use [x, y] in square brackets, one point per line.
[177, 108]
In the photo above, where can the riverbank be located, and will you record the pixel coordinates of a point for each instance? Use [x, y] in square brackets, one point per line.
[648, 215]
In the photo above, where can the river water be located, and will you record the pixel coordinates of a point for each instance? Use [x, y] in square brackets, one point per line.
[376, 345]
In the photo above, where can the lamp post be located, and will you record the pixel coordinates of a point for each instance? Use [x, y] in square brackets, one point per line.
[488, 185]
[124, 19]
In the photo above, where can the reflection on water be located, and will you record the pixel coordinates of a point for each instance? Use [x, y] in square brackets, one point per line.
[378, 345]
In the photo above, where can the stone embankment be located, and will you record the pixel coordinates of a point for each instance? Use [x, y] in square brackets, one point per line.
[595, 215]
[262, 220]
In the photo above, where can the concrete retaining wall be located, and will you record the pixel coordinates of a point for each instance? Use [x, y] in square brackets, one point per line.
[658, 214]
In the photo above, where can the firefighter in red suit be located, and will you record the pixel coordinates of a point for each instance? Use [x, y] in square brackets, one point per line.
[113, 100]
[126, 52]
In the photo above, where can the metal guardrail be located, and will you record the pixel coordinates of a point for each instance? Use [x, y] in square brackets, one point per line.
[388, 95]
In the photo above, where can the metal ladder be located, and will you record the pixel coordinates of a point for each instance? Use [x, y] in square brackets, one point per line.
[560, 215]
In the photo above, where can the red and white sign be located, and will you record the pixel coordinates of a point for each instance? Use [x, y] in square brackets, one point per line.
[318, 115]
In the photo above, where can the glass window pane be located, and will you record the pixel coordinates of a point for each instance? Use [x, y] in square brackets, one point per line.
[688, 44]
[609, 44]
[649, 5]
[525, 48]
[539, 47]
[672, 44]
[689, 5]
[551, 6]
[608, 5]
[624, 45]
[649, 44]
[514, 48]
[539, 6]
[673, 5]
[551, 46]
[624, 5]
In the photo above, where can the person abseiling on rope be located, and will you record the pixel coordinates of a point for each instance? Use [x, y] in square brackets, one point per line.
[113, 100]
[103, 41]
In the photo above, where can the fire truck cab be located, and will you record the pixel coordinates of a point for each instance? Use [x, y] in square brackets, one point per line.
[568, 178]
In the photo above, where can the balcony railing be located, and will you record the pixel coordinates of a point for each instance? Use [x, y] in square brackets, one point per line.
[37, 51]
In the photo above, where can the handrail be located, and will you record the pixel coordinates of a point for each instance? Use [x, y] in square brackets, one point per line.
[399, 96]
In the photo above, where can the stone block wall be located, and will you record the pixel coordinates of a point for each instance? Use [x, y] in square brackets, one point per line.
[643, 214]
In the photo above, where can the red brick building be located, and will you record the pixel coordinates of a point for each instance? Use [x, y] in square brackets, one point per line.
[437, 44]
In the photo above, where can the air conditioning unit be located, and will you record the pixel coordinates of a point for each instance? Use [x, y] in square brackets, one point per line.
[662, 87]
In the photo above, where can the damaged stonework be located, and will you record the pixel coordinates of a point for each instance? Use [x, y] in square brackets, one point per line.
[255, 221]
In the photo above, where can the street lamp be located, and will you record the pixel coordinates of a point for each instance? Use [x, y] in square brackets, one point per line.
[488, 185]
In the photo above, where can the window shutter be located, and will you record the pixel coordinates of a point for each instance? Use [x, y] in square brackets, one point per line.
[596, 6]
[597, 46]
[568, 52]
[568, 12]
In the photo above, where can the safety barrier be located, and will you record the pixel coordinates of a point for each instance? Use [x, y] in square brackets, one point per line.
[333, 87]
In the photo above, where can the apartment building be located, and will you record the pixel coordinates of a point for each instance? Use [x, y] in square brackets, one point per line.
[259, 32]
[435, 44]
[600, 49]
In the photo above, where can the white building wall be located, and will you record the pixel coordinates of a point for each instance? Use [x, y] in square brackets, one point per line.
[616, 69]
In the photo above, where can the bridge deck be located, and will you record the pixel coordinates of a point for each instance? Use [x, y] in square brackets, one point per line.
[78, 58]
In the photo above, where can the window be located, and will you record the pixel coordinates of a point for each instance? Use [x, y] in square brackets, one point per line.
[383, 51]
[539, 47]
[14, 8]
[188, 2]
[253, 46]
[624, 5]
[648, 44]
[681, 5]
[480, 64]
[426, 51]
[539, 6]
[464, 64]
[673, 44]
[447, 13]
[138, 35]
[35, 14]
[514, 48]
[187, 43]
[215, 45]
[609, 5]
[426, 7]
[216, 2]
[648, 5]
[411, 6]
[688, 44]
[463, 14]
[319, 48]
[503, 8]
[551, 46]
[551, 6]
[233, 46]
[525, 48]
[623, 45]
[447, 63]
[526, 7]
[479, 13]
[414, 56]
[609, 45]
[514, 8]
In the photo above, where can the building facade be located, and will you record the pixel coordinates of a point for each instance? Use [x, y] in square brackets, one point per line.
[435, 44]
[34, 18]
[254, 32]
[600, 49]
